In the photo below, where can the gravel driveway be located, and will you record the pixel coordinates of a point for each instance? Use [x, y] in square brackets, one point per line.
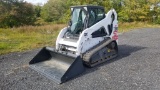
[136, 68]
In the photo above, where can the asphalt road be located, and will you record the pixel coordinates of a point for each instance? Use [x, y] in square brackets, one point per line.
[136, 68]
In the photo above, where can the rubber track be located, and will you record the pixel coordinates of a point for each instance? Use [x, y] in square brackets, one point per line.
[87, 55]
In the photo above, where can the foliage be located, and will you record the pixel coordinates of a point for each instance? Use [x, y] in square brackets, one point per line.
[128, 10]
[19, 13]
[16, 13]
[53, 10]
[38, 9]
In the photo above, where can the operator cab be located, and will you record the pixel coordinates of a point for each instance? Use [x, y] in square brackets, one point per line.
[83, 17]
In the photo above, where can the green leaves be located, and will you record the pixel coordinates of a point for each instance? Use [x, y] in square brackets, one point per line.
[54, 10]
[16, 13]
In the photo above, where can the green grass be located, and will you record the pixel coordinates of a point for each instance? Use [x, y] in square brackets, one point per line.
[31, 37]
[28, 37]
[125, 27]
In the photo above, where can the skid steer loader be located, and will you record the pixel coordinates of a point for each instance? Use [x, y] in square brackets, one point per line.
[89, 39]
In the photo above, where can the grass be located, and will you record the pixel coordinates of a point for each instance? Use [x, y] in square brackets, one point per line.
[125, 27]
[28, 37]
[31, 37]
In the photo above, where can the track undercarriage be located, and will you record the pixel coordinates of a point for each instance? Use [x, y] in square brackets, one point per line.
[102, 52]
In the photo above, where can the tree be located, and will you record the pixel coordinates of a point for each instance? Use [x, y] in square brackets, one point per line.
[38, 9]
[16, 13]
[53, 10]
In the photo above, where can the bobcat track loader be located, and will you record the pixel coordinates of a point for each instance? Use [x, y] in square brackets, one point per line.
[89, 39]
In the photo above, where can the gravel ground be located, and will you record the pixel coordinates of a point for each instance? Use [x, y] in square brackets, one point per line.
[136, 68]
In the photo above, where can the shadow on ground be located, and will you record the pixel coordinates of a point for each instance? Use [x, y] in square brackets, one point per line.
[124, 51]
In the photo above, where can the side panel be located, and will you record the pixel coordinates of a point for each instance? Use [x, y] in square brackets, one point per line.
[60, 36]
[114, 34]
[86, 41]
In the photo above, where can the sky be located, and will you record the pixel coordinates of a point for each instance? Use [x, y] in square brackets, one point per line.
[36, 1]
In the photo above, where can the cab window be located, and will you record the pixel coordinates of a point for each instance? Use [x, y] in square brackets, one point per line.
[95, 15]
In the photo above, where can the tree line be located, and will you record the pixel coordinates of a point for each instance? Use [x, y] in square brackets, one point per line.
[15, 13]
